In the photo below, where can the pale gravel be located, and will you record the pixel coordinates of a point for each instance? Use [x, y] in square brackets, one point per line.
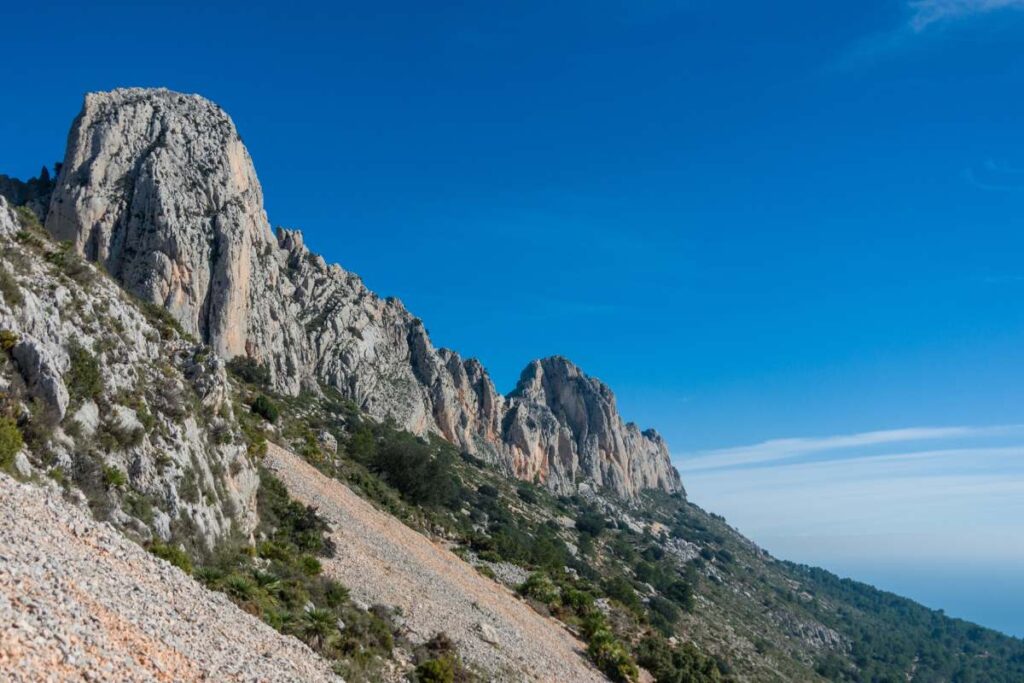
[383, 561]
[80, 602]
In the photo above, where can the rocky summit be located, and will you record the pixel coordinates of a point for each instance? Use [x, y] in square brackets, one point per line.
[158, 187]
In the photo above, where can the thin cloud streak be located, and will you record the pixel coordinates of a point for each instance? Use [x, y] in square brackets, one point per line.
[777, 451]
[926, 13]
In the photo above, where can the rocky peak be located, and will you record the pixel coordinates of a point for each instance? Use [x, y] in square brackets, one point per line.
[159, 188]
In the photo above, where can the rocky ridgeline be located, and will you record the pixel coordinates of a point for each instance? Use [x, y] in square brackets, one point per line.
[114, 400]
[158, 187]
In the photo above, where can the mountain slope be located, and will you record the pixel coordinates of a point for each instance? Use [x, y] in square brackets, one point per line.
[387, 562]
[80, 602]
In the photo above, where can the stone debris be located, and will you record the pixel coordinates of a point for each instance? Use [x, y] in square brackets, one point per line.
[386, 562]
[79, 602]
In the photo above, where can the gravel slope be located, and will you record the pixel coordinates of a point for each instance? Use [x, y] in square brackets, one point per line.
[79, 602]
[383, 561]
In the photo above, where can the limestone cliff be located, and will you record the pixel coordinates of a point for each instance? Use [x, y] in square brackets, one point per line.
[158, 187]
[112, 399]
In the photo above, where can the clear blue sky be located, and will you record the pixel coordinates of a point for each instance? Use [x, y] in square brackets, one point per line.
[754, 220]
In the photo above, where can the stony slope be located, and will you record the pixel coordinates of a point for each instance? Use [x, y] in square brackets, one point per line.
[158, 187]
[78, 601]
[385, 561]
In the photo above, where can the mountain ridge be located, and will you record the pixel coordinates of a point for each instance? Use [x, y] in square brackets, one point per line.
[158, 187]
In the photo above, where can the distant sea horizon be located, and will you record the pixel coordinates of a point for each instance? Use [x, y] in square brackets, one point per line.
[992, 597]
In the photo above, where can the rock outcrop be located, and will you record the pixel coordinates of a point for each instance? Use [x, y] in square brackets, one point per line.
[158, 187]
[112, 399]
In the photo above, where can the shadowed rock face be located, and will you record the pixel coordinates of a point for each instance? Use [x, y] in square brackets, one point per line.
[159, 188]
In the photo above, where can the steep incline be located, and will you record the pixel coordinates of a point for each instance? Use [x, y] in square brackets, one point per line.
[158, 187]
[78, 601]
[385, 561]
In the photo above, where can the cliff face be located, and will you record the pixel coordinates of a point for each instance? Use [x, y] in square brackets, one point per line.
[99, 387]
[159, 188]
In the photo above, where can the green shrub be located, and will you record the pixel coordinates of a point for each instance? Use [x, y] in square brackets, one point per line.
[541, 588]
[265, 408]
[441, 670]
[173, 554]
[84, 380]
[113, 477]
[249, 370]
[10, 441]
[591, 523]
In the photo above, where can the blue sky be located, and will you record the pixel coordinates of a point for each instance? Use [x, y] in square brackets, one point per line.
[755, 221]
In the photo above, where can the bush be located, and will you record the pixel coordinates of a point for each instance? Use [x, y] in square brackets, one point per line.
[173, 554]
[10, 441]
[541, 588]
[440, 670]
[591, 523]
[422, 477]
[84, 380]
[265, 408]
[249, 370]
[113, 477]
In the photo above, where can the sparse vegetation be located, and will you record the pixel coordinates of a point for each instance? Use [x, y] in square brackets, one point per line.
[83, 379]
[265, 408]
[10, 442]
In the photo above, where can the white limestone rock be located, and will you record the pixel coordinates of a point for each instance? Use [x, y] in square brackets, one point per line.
[158, 187]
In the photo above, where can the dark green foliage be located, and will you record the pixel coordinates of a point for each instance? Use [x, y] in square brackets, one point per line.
[83, 378]
[683, 664]
[663, 614]
[889, 634]
[265, 408]
[421, 473]
[295, 527]
[622, 590]
[527, 494]
[591, 523]
[249, 370]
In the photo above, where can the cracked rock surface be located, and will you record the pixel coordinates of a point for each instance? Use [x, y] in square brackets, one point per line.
[158, 187]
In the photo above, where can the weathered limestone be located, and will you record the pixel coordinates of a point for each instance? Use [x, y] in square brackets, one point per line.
[158, 187]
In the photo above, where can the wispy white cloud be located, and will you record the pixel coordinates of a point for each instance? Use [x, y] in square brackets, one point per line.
[926, 13]
[777, 451]
[992, 176]
[919, 17]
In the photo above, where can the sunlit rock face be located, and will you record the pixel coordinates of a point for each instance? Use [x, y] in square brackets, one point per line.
[158, 187]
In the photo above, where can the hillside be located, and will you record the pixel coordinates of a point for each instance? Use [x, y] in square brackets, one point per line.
[80, 601]
[260, 419]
